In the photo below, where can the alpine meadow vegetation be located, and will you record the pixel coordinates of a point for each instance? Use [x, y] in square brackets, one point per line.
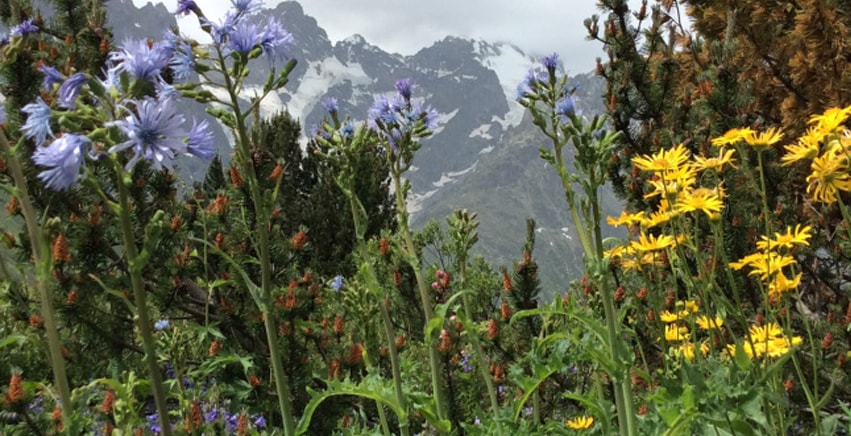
[286, 293]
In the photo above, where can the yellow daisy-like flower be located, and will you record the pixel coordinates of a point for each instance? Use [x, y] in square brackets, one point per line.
[706, 323]
[761, 141]
[831, 119]
[807, 148]
[768, 340]
[731, 137]
[652, 243]
[780, 284]
[674, 333]
[668, 317]
[763, 264]
[664, 160]
[687, 350]
[699, 200]
[580, 422]
[789, 239]
[690, 305]
[715, 163]
[626, 219]
[829, 174]
[616, 253]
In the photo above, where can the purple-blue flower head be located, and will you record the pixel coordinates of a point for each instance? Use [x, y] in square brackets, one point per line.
[200, 142]
[246, 6]
[259, 421]
[154, 133]
[244, 37]
[380, 106]
[550, 62]
[566, 106]
[141, 59]
[51, 76]
[182, 62]
[337, 284]
[38, 121]
[185, 7]
[70, 89]
[348, 130]
[275, 41]
[63, 157]
[220, 31]
[405, 87]
[161, 325]
[330, 105]
[25, 28]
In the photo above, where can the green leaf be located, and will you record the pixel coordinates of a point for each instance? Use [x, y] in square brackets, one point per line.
[742, 360]
[13, 339]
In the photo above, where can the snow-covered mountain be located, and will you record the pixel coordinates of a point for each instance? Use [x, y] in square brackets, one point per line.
[483, 157]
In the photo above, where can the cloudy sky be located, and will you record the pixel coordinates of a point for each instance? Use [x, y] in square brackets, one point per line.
[404, 26]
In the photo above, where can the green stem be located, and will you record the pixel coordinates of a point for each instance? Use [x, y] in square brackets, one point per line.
[382, 416]
[54, 345]
[243, 150]
[411, 251]
[143, 321]
[394, 364]
[477, 346]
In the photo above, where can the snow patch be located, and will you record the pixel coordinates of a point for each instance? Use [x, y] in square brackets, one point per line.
[451, 177]
[486, 150]
[320, 77]
[444, 119]
[415, 200]
[510, 65]
[481, 131]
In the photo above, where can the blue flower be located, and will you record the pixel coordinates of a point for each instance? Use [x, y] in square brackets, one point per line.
[2, 115]
[51, 76]
[184, 7]
[201, 139]
[161, 324]
[348, 129]
[154, 132]
[404, 87]
[244, 37]
[182, 62]
[64, 156]
[221, 31]
[70, 89]
[550, 62]
[25, 28]
[165, 91]
[142, 60]
[259, 421]
[566, 106]
[38, 121]
[246, 6]
[330, 105]
[275, 40]
[212, 416]
[337, 284]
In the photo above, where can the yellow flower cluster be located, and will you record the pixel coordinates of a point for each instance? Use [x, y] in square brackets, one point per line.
[768, 263]
[677, 331]
[828, 144]
[768, 340]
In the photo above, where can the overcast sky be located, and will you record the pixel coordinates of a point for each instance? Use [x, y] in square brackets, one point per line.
[404, 26]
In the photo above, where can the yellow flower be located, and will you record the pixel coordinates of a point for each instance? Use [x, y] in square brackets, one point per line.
[715, 163]
[761, 141]
[806, 148]
[626, 219]
[700, 200]
[616, 252]
[731, 137]
[664, 160]
[687, 350]
[652, 243]
[668, 317]
[780, 284]
[787, 240]
[831, 119]
[580, 422]
[706, 323]
[690, 305]
[673, 333]
[768, 340]
[763, 264]
[830, 172]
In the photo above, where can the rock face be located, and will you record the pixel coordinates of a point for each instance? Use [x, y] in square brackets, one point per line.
[484, 157]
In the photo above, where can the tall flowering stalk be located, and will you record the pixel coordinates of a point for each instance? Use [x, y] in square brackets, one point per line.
[550, 100]
[237, 40]
[396, 123]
